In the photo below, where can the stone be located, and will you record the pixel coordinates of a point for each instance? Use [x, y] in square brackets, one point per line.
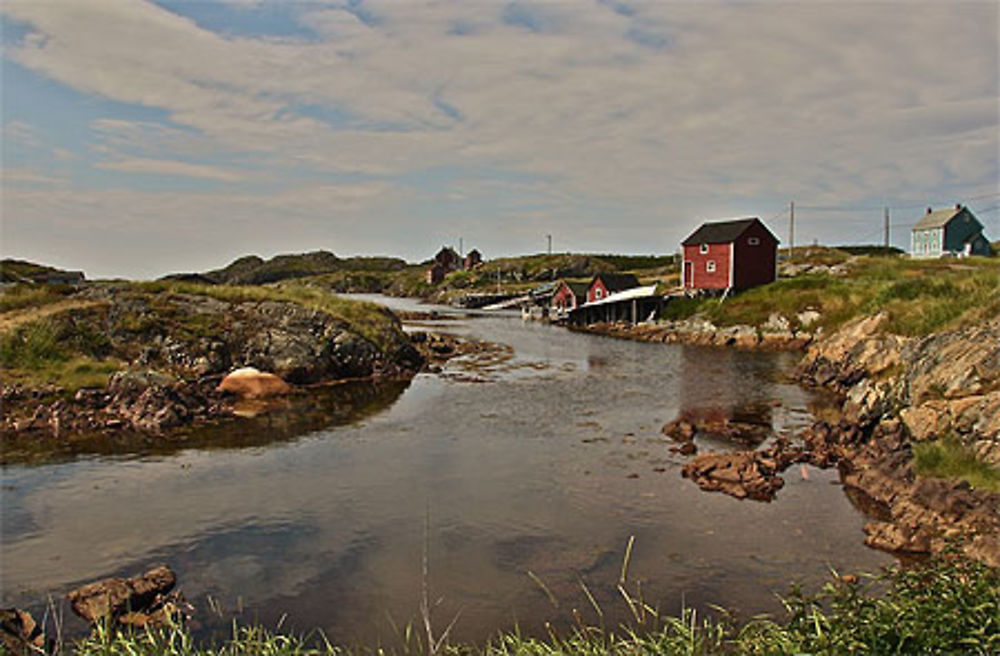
[250, 383]
[114, 597]
[19, 633]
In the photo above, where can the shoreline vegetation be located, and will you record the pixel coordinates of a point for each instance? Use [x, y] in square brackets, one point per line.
[910, 348]
[947, 604]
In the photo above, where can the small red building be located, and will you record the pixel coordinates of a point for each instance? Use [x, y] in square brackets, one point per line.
[605, 284]
[729, 255]
[473, 259]
[568, 296]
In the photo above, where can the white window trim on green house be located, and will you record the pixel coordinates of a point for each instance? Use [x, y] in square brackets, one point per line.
[927, 243]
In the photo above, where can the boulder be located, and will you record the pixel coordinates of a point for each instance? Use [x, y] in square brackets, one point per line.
[250, 383]
[113, 598]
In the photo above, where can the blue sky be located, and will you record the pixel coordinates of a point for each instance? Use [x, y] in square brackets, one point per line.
[142, 138]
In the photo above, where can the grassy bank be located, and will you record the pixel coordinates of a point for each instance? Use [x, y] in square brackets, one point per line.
[947, 605]
[920, 297]
[47, 337]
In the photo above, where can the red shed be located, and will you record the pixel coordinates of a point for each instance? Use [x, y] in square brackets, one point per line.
[730, 255]
[605, 284]
[568, 296]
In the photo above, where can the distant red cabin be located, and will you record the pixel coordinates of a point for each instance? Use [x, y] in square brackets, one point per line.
[473, 259]
[730, 255]
[568, 296]
[605, 284]
[448, 259]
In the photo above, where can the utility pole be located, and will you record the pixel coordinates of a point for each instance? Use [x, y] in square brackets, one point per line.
[550, 243]
[887, 229]
[461, 248]
[791, 230]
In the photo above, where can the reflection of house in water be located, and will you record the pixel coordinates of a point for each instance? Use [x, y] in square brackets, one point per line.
[716, 398]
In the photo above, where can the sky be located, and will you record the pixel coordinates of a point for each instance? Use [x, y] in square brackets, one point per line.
[144, 137]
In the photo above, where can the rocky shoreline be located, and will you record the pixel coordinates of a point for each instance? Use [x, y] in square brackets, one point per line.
[894, 392]
[776, 335]
[176, 349]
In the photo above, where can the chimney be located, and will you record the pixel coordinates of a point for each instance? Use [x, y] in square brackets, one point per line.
[929, 210]
[958, 206]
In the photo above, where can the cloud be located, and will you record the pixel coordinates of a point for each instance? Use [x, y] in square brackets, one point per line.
[635, 109]
[168, 167]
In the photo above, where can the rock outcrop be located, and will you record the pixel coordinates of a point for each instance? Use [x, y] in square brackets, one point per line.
[777, 335]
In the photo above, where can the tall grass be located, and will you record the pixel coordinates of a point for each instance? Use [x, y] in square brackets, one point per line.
[23, 295]
[949, 458]
[945, 605]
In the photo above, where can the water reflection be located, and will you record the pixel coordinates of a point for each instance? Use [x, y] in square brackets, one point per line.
[258, 423]
[547, 467]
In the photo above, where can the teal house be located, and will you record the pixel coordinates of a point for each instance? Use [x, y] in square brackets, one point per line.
[952, 232]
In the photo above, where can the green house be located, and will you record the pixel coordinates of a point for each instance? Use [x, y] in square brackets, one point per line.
[953, 232]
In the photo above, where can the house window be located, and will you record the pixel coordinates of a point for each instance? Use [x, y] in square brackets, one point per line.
[754, 241]
[710, 266]
[598, 293]
[704, 249]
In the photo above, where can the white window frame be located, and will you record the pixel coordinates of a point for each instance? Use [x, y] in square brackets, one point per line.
[703, 249]
[598, 293]
[710, 266]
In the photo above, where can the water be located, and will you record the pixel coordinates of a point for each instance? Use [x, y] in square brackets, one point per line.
[323, 510]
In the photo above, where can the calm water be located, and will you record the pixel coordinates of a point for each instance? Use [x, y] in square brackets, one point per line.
[323, 509]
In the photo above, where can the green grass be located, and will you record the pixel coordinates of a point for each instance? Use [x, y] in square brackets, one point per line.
[945, 605]
[56, 351]
[949, 458]
[371, 321]
[24, 295]
[919, 297]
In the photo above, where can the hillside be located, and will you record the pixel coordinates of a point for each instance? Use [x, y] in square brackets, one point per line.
[254, 270]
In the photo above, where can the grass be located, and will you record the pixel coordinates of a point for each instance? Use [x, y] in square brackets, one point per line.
[919, 297]
[949, 458]
[68, 354]
[945, 605]
[24, 295]
[369, 320]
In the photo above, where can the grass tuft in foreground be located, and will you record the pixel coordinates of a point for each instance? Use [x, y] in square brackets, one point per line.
[946, 605]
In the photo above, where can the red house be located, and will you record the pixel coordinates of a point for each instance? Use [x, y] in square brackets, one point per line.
[567, 297]
[730, 255]
[605, 284]
[473, 259]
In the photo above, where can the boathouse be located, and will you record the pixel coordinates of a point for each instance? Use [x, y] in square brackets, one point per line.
[605, 284]
[954, 232]
[633, 305]
[722, 256]
[568, 296]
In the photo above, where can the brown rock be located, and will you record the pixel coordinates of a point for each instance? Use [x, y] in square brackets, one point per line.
[112, 598]
[19, 633]
[253, 384]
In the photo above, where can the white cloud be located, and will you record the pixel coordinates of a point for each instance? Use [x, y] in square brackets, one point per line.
[669, 109]
[169, 167]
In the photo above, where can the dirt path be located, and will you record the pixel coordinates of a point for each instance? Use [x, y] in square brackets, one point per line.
[14, 318]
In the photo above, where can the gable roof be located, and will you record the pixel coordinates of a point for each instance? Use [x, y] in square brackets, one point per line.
[616, 282]
[939, 219]
[579, 289]
[722, 232]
